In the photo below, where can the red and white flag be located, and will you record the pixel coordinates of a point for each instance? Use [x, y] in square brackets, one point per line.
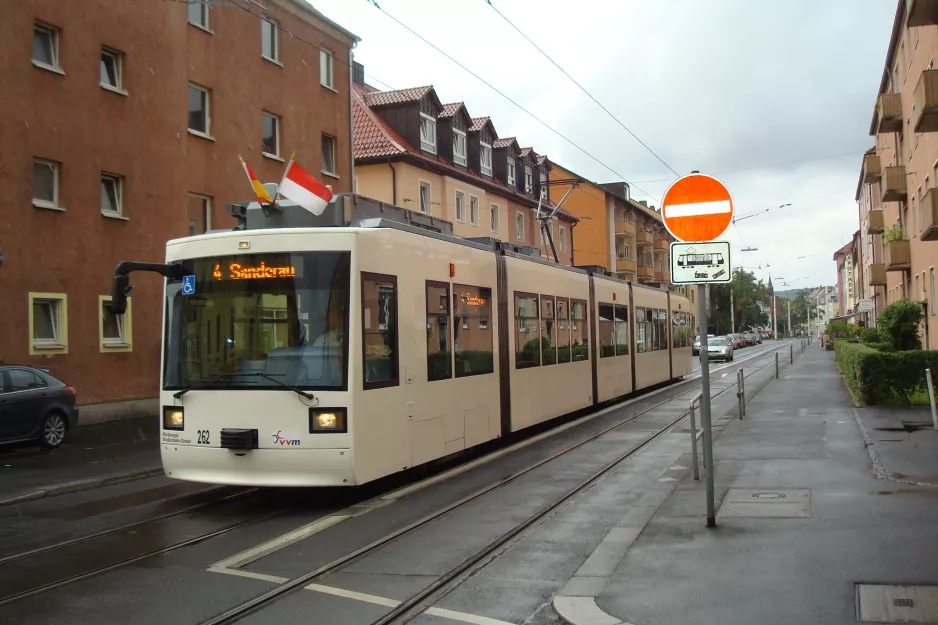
[298, 185]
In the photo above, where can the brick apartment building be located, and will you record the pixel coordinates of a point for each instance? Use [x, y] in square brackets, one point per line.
[122, 122]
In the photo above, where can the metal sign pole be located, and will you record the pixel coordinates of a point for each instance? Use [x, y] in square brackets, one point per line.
[705, 401]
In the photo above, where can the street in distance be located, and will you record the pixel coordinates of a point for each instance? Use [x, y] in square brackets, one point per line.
[700, 263]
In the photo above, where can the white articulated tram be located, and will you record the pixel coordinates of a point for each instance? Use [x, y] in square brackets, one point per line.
[297, 354]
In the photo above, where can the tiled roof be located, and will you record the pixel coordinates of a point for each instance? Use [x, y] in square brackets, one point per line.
[450, 109]
[541, 158]
[504, 142]
[478, 122]
[383, 98]
[846, 249]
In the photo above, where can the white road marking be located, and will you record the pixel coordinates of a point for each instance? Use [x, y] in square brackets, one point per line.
[698, 208]
[261, 576]
[453, 615]
[276, 544]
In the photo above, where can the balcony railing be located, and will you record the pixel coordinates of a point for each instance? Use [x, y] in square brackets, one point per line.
[644, 237]
[889, 113]
[929, 216]
[871, 168]
[874, 221]
[926, 102]
[663, 276]
[893, 184]
[897, 255]
[626, 228]
[922, 12]
[662, 245]
[646, 272]
[877, 274]
[625, 264]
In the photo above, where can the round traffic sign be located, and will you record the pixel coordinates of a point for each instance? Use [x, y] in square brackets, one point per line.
[697, 207]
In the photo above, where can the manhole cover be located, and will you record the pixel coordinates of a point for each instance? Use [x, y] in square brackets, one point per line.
[769, 495]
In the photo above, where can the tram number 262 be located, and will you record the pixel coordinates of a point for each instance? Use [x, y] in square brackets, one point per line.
[203, 437]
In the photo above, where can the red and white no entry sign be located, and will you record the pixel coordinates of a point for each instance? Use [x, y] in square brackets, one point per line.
[697, 207]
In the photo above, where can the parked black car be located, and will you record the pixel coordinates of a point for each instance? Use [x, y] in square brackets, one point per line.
[35, 406]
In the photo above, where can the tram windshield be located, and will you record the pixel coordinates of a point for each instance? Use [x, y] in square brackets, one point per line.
[259, 321]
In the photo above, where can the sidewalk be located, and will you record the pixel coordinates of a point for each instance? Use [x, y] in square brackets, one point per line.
[92, 456]
[804, 515]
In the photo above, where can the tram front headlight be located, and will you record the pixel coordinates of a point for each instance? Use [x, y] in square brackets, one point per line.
[327, 420]
[173, 418]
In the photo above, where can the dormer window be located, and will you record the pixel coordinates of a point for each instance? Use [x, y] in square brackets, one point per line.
[528, 180]
[543, 185]
[427, 133]
[459, 147]
[485, 158]
[511, 172]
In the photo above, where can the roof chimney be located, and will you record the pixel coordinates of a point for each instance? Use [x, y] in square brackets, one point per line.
[358, 73]
[643, 203]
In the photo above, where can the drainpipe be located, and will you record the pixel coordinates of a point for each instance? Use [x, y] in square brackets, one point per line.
[393, 182]
[351, 118]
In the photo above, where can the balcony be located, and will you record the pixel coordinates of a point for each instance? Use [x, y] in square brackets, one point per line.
[877, 274]
[644, 237]
[625, 264]
[889, 113]
[626, 228]
[929, 216]
[897, 255]
[926, 102]
[662, 245]
[893, 184]
[646, 272]
[663, 276]
[922, 12]
[874, 221]
[871, 168]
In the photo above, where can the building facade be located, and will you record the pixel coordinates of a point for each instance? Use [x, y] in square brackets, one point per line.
[872, 270]
[123, 122]
[413, 151]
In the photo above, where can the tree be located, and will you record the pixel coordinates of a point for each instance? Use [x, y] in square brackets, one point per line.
[747, 294]
[901, 321]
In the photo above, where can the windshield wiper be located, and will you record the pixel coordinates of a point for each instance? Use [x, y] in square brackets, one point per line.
[270, 377]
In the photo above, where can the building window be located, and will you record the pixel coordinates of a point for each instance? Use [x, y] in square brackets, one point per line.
[270, 143]
[439, 354]
[543, 185]
[473, 341]
[328, 155]
[527, 332]
[460, 207]
[424, 198]
[112, 65]
[427, 133]
[198, 14]
[200, 214]
[46, 45]
[379, 330]
[112, 194]
[519, 224]
[511, 172]
[485, 159]
[199, 120]
[45, 183]
[528, 180]
[115, 331]
[563, 239]
[270, 44]
[474, 211]
[48, 323]
[493, 218]
[325, 69]
[459, 147]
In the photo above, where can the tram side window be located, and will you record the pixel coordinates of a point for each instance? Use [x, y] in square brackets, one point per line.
[641, 331]
[548, 331]
[622, 330]
[663, 330]
[527, 334]
[379, 330]
[439, 353]
[579, 332]
[607, 329]
[472, 336]
[680, 329]
[563, 330]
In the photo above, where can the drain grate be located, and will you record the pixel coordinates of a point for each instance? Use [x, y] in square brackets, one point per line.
[903, 602]
[892, 603]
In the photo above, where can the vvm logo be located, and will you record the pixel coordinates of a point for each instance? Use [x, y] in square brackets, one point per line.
[284, 440]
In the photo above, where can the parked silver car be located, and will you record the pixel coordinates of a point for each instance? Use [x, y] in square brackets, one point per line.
[720, 348]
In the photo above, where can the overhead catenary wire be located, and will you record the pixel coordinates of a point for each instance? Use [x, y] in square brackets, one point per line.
[768, 166]
[582, 88]
[511, 100]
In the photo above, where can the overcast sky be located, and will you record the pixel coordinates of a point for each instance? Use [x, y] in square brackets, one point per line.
[734, 88]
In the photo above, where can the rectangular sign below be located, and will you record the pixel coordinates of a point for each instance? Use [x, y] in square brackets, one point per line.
[700, 263]
[865, 305]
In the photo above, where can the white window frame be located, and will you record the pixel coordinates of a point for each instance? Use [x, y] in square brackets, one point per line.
[118, 57]
[543, 182]
[459, 158]
[510, 172]
[519, 224]
[425, 140]
[460, 210]
[203, 15]
[562, 238]
[333, 173]
[59, 311]
[118, 194]
[424, 209]
[111, 342]
[276, 118]
[494, 217]
[54, 38]
[207, 133]
[485, 164]
[206, 207]
[274, 40]
[473, 214]
[41, 203]
[327, 78]
[528, 179]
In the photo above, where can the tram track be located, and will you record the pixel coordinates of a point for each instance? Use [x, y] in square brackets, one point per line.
[422, 600]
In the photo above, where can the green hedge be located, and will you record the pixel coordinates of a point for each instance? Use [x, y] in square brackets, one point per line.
[876, 376]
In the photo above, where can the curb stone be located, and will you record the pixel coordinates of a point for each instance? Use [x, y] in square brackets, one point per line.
[79, 485]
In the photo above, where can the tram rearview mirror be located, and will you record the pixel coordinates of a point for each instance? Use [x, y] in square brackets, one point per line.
[120, 289]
